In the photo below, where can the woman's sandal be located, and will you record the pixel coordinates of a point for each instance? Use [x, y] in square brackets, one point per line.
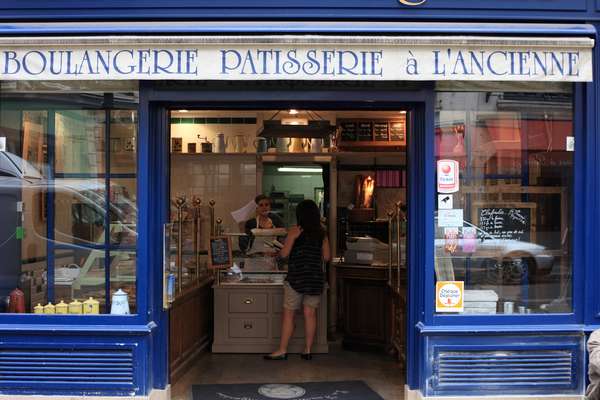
[276, 358]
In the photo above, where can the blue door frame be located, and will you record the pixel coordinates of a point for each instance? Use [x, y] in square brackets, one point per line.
[154, 151]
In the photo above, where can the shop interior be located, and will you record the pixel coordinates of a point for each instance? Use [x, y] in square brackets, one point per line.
[225, 315]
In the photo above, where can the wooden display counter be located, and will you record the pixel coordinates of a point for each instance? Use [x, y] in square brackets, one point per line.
[371, 314]
[248, 319]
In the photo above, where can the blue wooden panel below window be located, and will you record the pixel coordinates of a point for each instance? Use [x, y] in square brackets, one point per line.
[504, 365]
[66, 364]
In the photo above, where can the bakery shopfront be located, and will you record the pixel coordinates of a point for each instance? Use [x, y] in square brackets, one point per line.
[127, 147]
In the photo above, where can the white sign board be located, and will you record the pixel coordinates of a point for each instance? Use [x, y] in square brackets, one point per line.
[300, 58]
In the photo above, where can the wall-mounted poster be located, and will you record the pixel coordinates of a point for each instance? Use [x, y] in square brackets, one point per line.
[176, 144]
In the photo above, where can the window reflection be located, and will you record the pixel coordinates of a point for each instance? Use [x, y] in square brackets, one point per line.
[74, 233]
[507, 235]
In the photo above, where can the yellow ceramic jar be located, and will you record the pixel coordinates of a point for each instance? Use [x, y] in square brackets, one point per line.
[39, 309]
[49, 309]
[91, 306]
[62, 308]
[75, 307]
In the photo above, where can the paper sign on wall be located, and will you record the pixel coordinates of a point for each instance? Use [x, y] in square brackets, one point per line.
[449, 296]
[3, 143]
[469, 242]
[447, 176]
[450, 218]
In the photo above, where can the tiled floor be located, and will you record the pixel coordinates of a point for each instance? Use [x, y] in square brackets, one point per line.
[381, 372]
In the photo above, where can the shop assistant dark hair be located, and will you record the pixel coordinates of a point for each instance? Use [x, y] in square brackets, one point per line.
[260, 197]
[308, 218]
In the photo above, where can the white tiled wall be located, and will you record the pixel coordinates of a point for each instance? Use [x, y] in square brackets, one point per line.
[229, 180]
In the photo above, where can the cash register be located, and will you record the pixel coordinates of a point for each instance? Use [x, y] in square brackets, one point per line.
[365, 250]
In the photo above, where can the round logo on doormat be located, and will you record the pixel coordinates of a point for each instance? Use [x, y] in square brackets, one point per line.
[281, 391]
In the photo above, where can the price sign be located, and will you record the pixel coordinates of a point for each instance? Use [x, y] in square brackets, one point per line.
[219, 252]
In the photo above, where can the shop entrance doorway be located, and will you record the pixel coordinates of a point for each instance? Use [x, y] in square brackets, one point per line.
[224, 281]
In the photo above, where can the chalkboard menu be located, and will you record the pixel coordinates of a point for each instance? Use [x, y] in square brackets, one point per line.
[361, 132]
[381, 131]
[219, 252]
[397, 131]
[364, 131]
[348, 131]
[507, 221]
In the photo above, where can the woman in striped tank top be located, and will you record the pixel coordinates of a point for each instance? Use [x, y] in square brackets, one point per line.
[306, 247]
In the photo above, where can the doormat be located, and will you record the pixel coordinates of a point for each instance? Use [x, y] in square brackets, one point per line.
[337, 390]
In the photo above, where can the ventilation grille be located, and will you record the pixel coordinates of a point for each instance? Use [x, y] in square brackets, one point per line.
[79, 368]
[517, 369]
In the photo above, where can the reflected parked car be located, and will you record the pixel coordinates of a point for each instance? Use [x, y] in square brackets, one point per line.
[496, 258]
[87, 199]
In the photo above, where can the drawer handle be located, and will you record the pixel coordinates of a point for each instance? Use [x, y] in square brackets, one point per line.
[248, 301]
[247, 325]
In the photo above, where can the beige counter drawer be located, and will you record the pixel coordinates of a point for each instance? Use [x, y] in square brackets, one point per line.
[248, 303]
[248, 327]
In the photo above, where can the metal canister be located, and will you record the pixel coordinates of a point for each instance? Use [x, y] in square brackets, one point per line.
[62, 308]
[522, 309]
[75, 307]
[509, 307]
[49, 309]
[91, 306]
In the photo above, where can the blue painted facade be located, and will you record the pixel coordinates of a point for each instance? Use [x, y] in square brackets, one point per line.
[140, 342]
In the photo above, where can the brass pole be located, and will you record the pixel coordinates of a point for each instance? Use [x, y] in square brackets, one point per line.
[399, 249]
[219, 227]
[180, 204]
[197, 202]
[390, 215]
[212, 217]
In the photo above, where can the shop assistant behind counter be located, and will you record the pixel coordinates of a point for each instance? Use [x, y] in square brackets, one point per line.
[264, 219]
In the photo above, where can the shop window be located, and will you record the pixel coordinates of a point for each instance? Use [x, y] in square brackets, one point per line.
[504, 188]
[68, 210]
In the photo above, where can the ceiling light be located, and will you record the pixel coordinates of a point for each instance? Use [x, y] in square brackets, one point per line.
[293, 111]
[183, 111]
[294, 121]
[300, 169]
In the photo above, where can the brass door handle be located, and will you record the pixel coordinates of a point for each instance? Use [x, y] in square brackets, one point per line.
[247, 325]
[248, 301]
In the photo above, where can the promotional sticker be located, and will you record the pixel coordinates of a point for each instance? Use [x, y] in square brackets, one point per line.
[450, 218]
[447, 176]
[450, 240]
[444, 201]
[449, 296]
[570, 143]
[469, 241]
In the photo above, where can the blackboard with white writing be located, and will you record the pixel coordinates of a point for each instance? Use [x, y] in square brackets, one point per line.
[507, 222]
[219, 252]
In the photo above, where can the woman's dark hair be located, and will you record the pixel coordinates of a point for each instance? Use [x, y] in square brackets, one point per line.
[260, 197]
[308, 217]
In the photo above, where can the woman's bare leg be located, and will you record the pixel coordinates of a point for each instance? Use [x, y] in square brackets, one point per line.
[287, 330]
[310, 327]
